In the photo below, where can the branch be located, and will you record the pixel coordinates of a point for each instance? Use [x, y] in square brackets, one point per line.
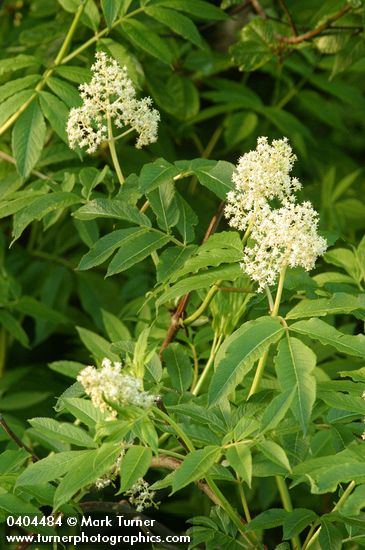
[289, 17]
[40, 175]
[179, 312]
[258, 8]
[171, 463]
[318, 30]
[16, 439]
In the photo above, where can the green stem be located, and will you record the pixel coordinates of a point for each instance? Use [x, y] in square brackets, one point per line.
[274, 312]
[287, 504]
[210, 295]
[213, 487]
[113, 151]
[215, 346]
[48, 72]
[99, 35]
[244, 501]
[279, 293]
[2, 350]
[311, 538]
[70, 33]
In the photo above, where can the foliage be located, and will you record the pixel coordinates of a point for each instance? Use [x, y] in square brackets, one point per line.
[255, 439]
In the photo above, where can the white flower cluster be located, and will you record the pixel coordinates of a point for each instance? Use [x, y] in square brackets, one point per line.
[109, 385]
[107, 479]
[285, 236]
[110, 94]
[261, 175]
[140, 495]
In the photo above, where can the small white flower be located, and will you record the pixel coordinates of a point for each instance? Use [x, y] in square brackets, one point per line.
[108, 384]
[110, 94]
[283, 237]
[141, 496]
[261, 175]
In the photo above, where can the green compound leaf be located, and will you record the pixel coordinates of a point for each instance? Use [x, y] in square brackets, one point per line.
[239, 457]
[56, 113]
[135, 250]
[144, 38]
[40, 208]
[28, 138]
[294, 366]
[134, 466]
[111, 9]
[328, 335]
[195, 466]
[178, 23]
[86, 471]
[337, 304]
[178, 366]
[238, 354]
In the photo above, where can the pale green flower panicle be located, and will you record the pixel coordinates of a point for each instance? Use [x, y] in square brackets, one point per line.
[110, 385]
[261, 175]
[283, 237]
[110, 95]
[286, 236]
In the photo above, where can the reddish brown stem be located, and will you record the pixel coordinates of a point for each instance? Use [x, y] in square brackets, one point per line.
[180, 310]
[318, 30]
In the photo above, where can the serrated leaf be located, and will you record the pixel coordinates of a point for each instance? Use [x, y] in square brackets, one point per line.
[15, 86]
[328, 335]
[268, 519]
[354, 503]
[164, 205]
[111, 9]
[187, 219]
[85, 472]
[96, 344]
[178, 366]
[198, 8]
[294, 366]
[39, 310]
[104, 247]
[67, 93]
[224, 247]
[83, 410]
[55, 112]
[40, 208]
[330, 538]
[276, 410]
[14, 328]
[144, 38]
[171, 260]
[239, 352]
[156, 173]
[111, 208]
[254, 47]
[63, 431]
[339, 303]
[28, 138]
[217, 179]
[195, 466]
[134, 465]
[180, 24]
[49, 468]
[136, 249]
[275, 453]
[239, 457]
[14, 63]
[296, 521]
[201, 280]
